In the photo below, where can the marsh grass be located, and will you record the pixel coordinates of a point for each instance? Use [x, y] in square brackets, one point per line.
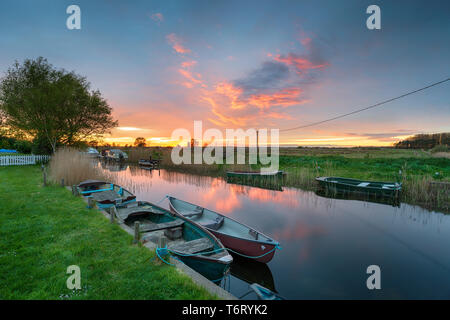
[73, 167]
[136, 154]
[46, 229]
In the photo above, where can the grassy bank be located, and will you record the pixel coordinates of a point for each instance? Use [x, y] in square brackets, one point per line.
[45, 230]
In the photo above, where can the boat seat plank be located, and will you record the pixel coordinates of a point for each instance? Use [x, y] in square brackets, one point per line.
[214, 224]
[148, 227]
[196, 212]
[193, 246]
[106, 195]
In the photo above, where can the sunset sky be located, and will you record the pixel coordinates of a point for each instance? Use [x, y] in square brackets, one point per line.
[248, 64]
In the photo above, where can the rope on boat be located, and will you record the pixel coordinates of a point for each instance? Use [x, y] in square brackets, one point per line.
[163, 251]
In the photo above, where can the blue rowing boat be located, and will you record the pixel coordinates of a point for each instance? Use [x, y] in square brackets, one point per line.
[186, 240]
[105, 194]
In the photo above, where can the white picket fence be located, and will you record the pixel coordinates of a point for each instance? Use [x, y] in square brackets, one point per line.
[22, 160]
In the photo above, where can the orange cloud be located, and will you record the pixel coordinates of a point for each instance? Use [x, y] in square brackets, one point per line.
[284, 97]
[254, 98]
[188, 75]
[188, 64]
[176, 43]
[231, 106]
[300, 63]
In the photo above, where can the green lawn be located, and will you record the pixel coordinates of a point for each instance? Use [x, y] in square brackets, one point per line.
[44, 230]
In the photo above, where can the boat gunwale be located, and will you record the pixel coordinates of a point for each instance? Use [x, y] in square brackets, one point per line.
[273, 242]
[397, 187]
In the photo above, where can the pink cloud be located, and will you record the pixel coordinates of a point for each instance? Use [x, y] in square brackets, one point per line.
[301, 63]
[158, 17]
[176, 43]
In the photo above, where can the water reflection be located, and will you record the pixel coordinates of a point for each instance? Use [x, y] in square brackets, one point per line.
[113, 166]
[251, 271]
[327, 243]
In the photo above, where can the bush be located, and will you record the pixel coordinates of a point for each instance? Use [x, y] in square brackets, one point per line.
[7, 142]
[23, 146]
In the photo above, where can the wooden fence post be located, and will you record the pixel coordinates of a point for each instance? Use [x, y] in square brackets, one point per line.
[91, 202]
[136, 232]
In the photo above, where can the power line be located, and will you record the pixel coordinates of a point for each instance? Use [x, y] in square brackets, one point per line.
[366, 108]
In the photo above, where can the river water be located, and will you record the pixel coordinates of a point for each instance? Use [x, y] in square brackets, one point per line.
[327, 244]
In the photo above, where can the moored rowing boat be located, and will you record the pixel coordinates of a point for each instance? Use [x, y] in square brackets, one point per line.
[105, 194]
[234, 235]
[187, 241]
[344, 185]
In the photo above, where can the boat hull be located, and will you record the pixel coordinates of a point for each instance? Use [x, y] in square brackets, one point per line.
[337, 186]
[246, 247]
[211, 269]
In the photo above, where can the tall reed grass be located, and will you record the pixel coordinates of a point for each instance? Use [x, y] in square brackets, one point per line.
[73, 166]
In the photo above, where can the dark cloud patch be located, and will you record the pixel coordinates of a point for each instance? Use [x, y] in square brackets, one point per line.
[270, 75]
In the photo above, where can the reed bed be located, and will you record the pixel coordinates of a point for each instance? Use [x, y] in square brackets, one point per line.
[72, 166]
[136, 154]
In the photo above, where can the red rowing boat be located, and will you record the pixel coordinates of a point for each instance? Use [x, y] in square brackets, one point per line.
[234, 235]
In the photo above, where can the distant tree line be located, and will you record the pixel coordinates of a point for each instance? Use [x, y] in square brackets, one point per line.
[425, 141]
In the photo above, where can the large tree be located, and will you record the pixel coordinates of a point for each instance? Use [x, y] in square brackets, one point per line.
[52, 104]
[140, 142]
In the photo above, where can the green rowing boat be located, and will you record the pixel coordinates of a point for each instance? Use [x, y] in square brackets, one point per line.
[346, 185]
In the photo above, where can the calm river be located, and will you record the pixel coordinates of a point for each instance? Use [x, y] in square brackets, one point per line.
[327, 244]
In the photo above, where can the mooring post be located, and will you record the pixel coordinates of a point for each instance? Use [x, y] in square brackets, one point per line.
[162, 241]
[75, 190]
[112, 212]
[44, 177]
[136, 232]
[91, 202]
